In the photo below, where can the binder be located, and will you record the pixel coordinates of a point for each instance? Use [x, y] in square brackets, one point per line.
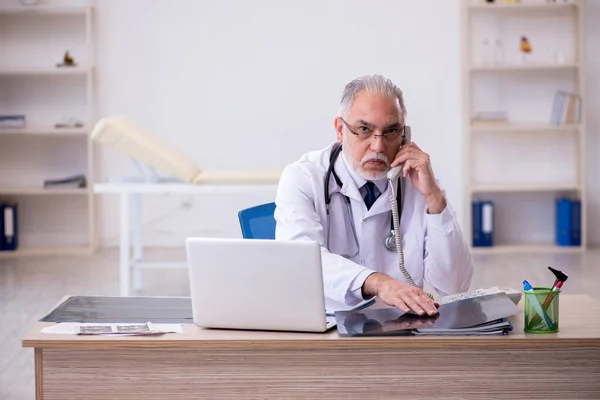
[1, 226]
[563, 222]
[487, 223]
[575, 223]
[9, 232]
[483, 223]
[477, 224]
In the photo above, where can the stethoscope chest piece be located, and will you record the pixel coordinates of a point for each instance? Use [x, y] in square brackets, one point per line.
[390, 242]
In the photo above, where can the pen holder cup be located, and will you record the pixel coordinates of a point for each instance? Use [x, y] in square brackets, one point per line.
[541, 310]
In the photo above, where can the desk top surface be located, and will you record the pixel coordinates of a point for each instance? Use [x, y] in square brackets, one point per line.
[579, 327]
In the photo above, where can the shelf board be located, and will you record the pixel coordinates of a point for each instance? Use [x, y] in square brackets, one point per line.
[523, 67]
[40, 191]
[45, 251]
[45, 10]
[45, 131]
[542, 128]
[43, 71]
[522, 7]
[526, 248]
[524, 187]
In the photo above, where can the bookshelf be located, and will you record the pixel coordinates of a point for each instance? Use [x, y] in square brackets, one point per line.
[524, 249]
[540, 128]
[523, 161]
[522, 6]
[33, 40]
[43, 71]
[527, 67]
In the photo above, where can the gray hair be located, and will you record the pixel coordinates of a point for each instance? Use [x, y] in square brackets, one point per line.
[372, 84]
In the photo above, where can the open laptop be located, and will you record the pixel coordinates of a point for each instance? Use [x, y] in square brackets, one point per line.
[257, 284]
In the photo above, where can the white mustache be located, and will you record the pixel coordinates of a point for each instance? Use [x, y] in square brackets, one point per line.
[375, 156]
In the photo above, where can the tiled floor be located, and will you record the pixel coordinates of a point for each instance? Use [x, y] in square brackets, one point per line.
[30, 287]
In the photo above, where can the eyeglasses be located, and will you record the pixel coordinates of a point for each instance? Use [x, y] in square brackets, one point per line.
[365, 133]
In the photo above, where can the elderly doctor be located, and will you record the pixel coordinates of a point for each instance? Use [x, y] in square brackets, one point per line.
[357, 264]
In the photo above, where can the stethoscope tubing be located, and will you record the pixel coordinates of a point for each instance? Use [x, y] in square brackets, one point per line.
[389, 241]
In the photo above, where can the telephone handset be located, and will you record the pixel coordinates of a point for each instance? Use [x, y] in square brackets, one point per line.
[395, 172]
[393, 175]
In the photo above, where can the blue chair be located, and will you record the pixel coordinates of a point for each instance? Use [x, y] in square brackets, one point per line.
[258, 222]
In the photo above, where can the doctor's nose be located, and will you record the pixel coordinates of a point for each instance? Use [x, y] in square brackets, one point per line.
[377, 143]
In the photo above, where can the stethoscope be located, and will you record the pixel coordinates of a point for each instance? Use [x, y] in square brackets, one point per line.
[389, 241]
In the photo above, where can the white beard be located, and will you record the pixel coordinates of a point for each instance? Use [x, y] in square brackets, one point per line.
[369, 175]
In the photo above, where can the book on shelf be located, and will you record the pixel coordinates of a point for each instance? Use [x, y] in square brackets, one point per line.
[566, 108]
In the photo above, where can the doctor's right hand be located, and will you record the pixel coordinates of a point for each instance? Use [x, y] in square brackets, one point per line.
[398, 294]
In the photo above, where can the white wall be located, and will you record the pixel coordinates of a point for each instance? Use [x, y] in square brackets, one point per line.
[224, 79]
[229, 81]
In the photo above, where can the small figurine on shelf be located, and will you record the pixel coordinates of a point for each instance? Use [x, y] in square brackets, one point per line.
[68, 61]
[525, 48]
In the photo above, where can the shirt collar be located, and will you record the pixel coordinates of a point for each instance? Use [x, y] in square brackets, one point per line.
[359, 180]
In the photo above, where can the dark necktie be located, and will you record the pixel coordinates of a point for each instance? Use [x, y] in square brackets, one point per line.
[370, 197]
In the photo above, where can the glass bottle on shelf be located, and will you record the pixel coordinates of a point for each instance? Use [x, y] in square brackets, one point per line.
[498, 52]
[487, 56]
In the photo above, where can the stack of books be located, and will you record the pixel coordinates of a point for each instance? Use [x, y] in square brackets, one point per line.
[74, 181]
[490, 118]
[12, 121]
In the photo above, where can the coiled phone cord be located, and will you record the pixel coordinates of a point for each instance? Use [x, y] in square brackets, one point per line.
[398, 238]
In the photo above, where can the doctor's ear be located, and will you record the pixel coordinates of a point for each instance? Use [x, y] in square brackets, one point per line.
[339, 129]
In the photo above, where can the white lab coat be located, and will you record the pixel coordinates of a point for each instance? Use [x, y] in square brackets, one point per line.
[434, 247]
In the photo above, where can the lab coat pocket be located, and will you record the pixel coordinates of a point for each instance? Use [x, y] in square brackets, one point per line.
[341, 242]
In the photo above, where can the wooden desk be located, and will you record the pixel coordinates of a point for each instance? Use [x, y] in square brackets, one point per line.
[216, 364]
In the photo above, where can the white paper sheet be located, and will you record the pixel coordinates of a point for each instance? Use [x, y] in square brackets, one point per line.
[112, 329]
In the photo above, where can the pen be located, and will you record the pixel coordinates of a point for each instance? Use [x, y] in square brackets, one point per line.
[536, 304]
[557, 285]
[548, 300]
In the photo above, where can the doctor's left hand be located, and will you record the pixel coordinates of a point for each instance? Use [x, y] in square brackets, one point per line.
[417, 165]
[398, 294]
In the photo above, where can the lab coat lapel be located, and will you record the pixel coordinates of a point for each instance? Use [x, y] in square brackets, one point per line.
[383, 203]
[349, 189]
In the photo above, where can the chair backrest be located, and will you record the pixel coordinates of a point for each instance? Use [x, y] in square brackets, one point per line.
[258, 222]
